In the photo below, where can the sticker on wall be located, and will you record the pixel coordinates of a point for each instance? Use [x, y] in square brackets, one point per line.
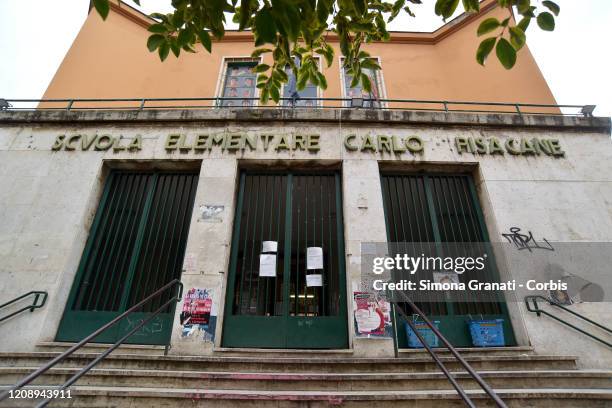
[314, 258]
[199, 316]
[372, 315]
[269, 246]
[314, 280]
[212, 213]
[267, 265]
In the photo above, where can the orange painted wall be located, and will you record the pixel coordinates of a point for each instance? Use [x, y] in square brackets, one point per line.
[110, 60]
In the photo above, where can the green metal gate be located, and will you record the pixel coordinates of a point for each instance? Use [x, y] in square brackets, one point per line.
[136, 245]
[441, 208]
[297, 211]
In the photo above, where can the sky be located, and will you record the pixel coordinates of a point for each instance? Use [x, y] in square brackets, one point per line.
[576, 59]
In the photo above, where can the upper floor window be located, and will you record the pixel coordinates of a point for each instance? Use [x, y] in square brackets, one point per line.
[239, 82]
[299, 98]
[374, 96]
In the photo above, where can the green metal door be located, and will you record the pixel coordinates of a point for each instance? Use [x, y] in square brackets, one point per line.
[438, 208]
[297, 211]
[136, 245]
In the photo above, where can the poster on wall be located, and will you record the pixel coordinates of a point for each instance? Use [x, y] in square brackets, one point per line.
[199, 316]
[314, 258]
[372, 315]
[267, 265]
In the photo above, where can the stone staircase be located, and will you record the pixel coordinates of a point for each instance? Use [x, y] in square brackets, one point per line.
[137, 376]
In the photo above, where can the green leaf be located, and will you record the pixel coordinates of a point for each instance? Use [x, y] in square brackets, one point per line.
[265, 27]
[282, 75]
[322, 80]
[164, 50]
[175, 48]
[484, 49]
[155, 41]
[323, 9]
[546, 21]
[505, 53]
[205, 40]
[524, 23]
[370, 63]
[260, 51]
[275, 93]
[183, 37]
[471, 6]
[552, 6]
[446, 8]
[365, 83]
[517, 38]
[158, 28]
[487, 26]
[102, 7]
[261, 68]
[178, 19]
[523, 6]
[265, 94]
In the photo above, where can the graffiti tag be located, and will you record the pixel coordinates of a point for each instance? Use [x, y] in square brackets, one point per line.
[526, 241]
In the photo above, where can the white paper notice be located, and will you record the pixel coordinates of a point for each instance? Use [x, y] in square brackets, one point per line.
[314, 280]
[267, 265]
[269, 246]
[314, 258]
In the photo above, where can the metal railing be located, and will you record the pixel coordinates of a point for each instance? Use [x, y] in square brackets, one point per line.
[37, 373]
[35, 305]
[536, 309]
[139, 104]
[470, 370]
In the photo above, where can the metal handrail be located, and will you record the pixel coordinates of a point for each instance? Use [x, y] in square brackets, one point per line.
[538, 312]
[470, 370]
[32, 376]
[139, 104]
[33, 306]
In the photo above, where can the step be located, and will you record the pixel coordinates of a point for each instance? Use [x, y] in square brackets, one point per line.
[472, 351]
[121, 397]
[316, 382]
[417, 363]
[345, 353]
[140, 349]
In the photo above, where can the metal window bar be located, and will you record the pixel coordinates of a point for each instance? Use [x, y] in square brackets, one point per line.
[140, 104]
[37, 373]
[536, 309]
[35, 305]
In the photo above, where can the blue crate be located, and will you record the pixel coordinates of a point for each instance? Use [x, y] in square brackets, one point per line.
[425, 331]
[486, 333]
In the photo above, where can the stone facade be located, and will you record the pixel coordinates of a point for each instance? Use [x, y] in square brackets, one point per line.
[48, 196]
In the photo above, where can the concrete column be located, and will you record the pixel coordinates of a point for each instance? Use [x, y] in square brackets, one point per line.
[207, 252]
[364, 221]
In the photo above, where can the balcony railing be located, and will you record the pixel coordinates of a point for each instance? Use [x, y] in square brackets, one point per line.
[138, 104]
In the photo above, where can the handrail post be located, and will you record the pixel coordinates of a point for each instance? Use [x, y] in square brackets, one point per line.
[539, 312]
[437, 360]
[69, 106]
[518, 109]
[35, 374]
[34, 303]
[488, 390]
[30, 307]
[142, 103]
